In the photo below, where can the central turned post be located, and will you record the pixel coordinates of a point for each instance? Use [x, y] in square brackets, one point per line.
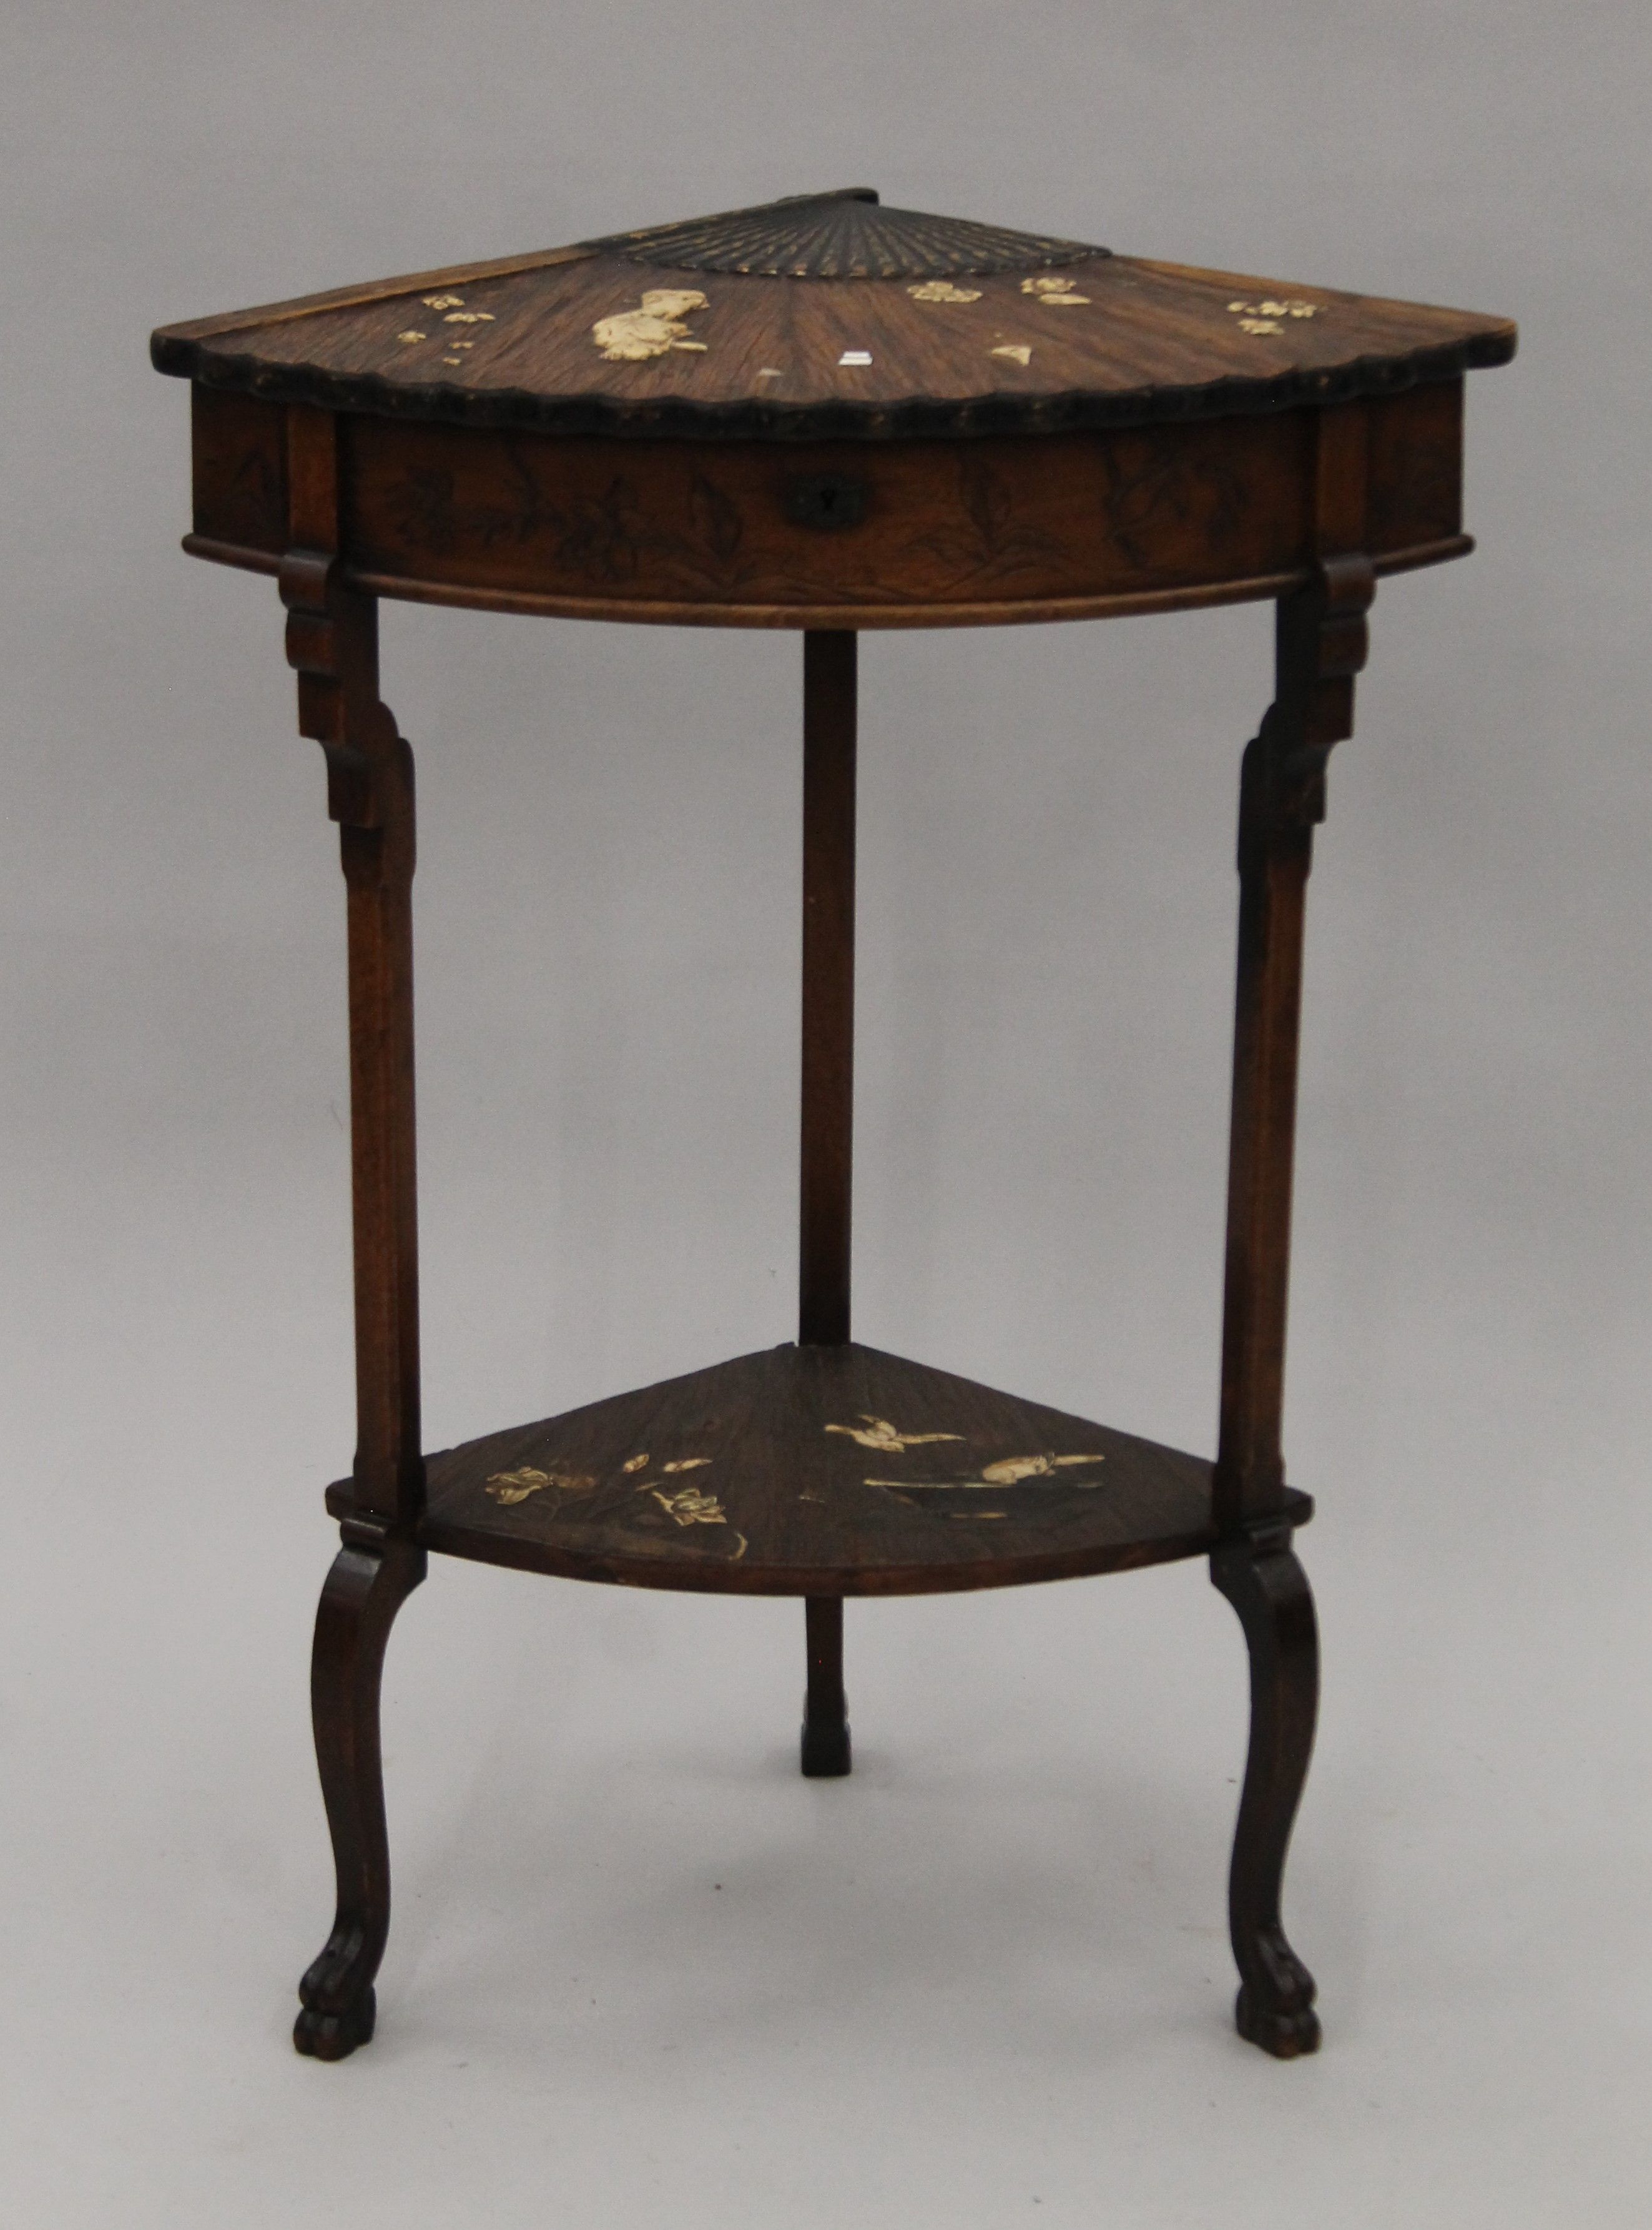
[827, 1155]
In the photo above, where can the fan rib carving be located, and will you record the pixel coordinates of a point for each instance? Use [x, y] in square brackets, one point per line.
[840, 236]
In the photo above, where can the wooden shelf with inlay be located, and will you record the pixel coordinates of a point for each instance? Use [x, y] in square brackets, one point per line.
[817, 1470]
[827, 416]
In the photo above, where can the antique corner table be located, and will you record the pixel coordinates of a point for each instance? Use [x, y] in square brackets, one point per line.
[826, 414]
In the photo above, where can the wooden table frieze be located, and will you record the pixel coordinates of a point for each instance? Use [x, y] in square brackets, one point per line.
[824, 415]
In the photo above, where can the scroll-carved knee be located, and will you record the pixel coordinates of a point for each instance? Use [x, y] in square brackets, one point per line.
[364, 1590]
[1259, 1574]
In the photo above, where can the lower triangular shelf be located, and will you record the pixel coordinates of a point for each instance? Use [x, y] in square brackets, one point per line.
[818, 1471]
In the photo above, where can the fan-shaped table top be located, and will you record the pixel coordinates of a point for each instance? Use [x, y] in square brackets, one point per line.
[822, 317]
[823, 413]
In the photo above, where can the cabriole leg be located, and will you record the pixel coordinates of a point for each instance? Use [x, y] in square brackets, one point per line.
[364, 1591]
[1261, 1578]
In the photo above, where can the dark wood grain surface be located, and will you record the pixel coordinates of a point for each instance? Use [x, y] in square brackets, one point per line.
[1133, 342]
[779, 1503]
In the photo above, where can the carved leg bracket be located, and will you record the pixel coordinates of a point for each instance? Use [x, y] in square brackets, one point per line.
[1259, 1574]
[1320, 647]
[364, 1591]
[331, 638]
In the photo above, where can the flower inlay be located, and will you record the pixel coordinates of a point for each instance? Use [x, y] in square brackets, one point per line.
[1057, 292]
[1265, 317]
[689, 1506]
[510, 1486]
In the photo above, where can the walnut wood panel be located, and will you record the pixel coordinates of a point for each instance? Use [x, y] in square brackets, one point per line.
[239, 456]
[1045, 528]
[1414, 488]
[931, 523]
[742, 1478]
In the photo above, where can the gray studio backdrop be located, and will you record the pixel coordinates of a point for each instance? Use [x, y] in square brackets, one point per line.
[640, 1972]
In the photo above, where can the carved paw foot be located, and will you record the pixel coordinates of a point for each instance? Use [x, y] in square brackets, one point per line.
[1287, 2032]
[1275, 2009]
[337, 1995]
[335, 2035]
[825, 1749]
